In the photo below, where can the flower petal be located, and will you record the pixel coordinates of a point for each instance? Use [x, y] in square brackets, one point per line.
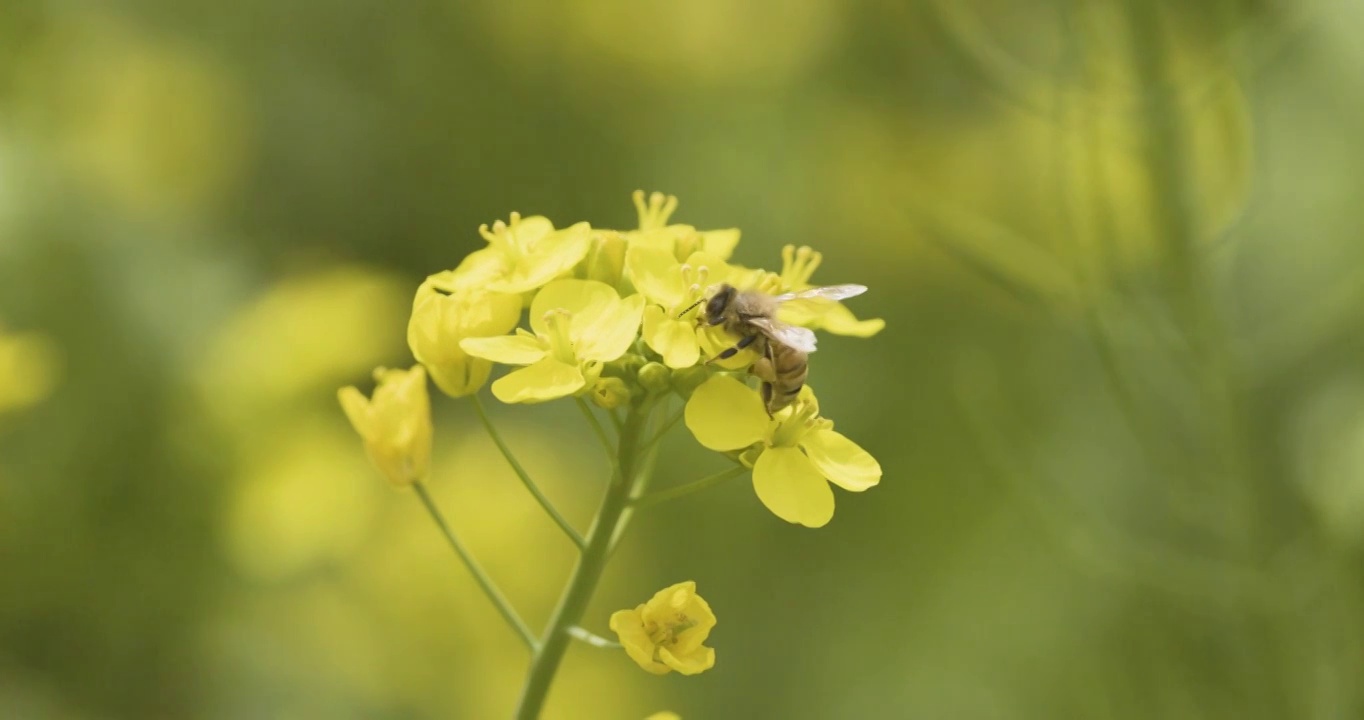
[460, 376]
[841, 460]
[547, 379]
[674, 339]
[698, 661]
[792, 487]
[579, 297]
[720, 243]
[356, 407]
[604, 335]
[505, 349]
[552, 256]
[656, 273]
[629, 628]
[724, 414]
[829, 316]
[714, 340]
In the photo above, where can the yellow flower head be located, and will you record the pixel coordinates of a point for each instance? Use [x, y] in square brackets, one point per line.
[797, 265]
[395, 424]
[578, 326]
[673, 288]
[28, 370]
[666, 633]
[797, 453]
[446, 311]
[679, 240]
[664, 715]
[524, 254]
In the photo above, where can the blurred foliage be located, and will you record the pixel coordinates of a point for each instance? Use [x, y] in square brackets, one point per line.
[1118, 400]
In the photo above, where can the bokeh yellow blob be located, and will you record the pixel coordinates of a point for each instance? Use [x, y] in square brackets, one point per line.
[300, 502]
[707, 43]
[29, 368]
[152, 125]
[303, 336]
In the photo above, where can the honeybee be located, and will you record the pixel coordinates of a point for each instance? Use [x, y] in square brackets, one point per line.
[784, 349]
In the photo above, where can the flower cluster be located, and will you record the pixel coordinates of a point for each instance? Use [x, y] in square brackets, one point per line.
[620, 319]
[614, 315]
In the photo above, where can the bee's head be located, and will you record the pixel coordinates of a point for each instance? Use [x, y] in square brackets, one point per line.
[718, 303]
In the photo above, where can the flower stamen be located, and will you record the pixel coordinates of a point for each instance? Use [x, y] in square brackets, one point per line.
[798, 264]
[655, 213]
[560, 342]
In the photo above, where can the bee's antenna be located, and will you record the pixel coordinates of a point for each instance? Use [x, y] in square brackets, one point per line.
[689, 307]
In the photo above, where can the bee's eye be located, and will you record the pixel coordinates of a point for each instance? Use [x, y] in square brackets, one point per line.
[717, 304]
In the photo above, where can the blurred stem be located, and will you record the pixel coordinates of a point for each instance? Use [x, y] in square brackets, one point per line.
[1167, 148]
[591, 563]
[1176, 221]
[689, 488]
[598, 430]
[657, 437]
[525, 478]
[580, 633]
[490, 589]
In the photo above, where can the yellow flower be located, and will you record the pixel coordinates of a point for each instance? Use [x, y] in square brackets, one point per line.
[605, 259]
[578, 325]
[664, 715]
[679, 240]
[524, 254]
[447, 310]
[798, 264]
[672, 287]
[28, 370]
[792, 454]
[395, 424]
[666, 633]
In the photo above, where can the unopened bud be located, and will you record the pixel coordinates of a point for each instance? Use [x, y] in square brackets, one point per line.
[610, 393]
[606, 260]
[655, 377]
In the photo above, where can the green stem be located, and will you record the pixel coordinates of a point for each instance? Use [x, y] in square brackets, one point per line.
[581, 633]
[597, 430]
[504, 606]
[591, 564]
[525, 478]
[645, 476]
[657, 437]
[689, 488]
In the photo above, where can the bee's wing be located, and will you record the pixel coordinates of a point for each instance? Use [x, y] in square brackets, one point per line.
[828, 292]
[802, 339]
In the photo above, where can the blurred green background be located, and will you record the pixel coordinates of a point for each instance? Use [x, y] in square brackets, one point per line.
[1119, 401]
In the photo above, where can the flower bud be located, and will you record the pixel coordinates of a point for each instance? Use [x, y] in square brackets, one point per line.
[395, 424]
[441, 319]
[610, 393]
[655, 377]
[605, 261]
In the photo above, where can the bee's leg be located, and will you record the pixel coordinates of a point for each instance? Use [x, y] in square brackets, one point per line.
[767, 398]
[730, 352]
[764, 368]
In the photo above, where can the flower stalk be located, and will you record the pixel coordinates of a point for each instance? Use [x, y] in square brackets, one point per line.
[485, 582]
[525, 478]
[587, 573]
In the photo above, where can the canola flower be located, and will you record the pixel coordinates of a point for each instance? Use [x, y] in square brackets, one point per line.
[613, 319]
[794, 455]
[395, 423]
[666, 633]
